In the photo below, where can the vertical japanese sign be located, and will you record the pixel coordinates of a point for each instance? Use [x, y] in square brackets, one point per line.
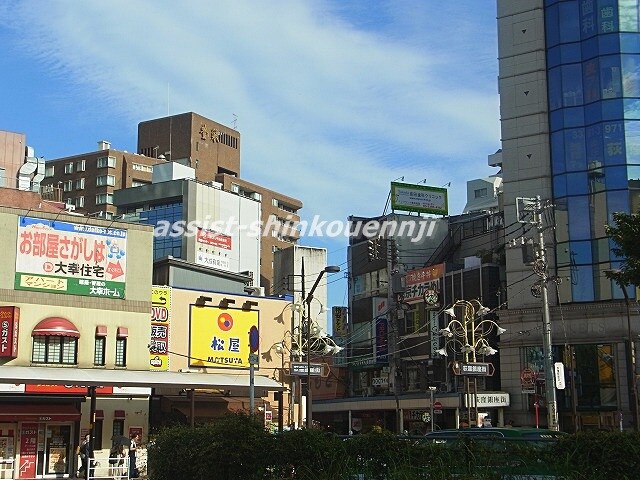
[160, 319]
[9, 327]
[339, 321]
[28, 450]
[381, 330]
[222, 337]
[60, 257]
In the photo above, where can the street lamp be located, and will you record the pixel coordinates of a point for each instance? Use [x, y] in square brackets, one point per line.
[471, 337]
[307, 301]
[618, 276]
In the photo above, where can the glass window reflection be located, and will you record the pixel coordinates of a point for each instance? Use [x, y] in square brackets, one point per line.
[579, 228]
[582, 283]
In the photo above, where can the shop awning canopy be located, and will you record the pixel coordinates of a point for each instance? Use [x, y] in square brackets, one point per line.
[58, 326]
[132, 378]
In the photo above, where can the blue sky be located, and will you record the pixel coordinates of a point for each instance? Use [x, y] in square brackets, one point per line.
[333, 99]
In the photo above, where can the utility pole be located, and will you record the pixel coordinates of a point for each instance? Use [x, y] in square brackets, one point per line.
[394, 309]
[541, 269]
[529, 210]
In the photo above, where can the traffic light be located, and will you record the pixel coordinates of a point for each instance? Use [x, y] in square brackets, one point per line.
[372, 249]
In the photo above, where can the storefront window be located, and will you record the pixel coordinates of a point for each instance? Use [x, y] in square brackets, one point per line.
[121, 352]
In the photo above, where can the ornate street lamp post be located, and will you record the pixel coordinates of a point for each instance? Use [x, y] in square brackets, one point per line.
[470, 336]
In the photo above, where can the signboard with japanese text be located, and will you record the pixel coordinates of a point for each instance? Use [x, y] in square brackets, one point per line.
[9, 329]
[339, 320]
[222, 337]
[28, 450]
[70, 258]
[214, 239]
[422, 280]
[160, 320]
[381, 329]
[213, 249]
[65, 389]
[487, 400]
[419, 198]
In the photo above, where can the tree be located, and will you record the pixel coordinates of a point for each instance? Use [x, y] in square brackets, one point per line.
[626, 235]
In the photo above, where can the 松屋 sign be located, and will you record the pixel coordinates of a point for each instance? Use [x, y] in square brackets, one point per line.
[69, 258]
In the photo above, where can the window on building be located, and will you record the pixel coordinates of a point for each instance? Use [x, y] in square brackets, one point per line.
[68, 167]
[274, 202]
[235, 188]
[118, 427]
[67, 186]
[139, 183]
[121, 347]
[49, 170]
[80, 201]
[3, 178]
[80, 165]
[103, 180]
[80, 184]
[480, 192]
[55, 349]
[104, 198]
[100, 350]
[103, 162]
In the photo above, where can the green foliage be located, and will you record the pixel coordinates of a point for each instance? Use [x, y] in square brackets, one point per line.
[237, 447]
[625, 234]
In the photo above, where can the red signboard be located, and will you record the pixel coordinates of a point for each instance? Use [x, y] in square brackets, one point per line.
[68, 389]
[28, 450]
[418, 281]
[214, 239]
[9, 326]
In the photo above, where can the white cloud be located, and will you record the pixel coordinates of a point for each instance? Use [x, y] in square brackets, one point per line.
[333, 100]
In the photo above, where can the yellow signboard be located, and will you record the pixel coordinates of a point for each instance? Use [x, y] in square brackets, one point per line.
[160, 319]
[222, 337]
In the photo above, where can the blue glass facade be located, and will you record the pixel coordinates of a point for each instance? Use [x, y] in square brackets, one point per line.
[593, 65]
[157, 215]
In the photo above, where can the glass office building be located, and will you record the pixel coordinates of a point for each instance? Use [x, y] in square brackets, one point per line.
[593, 87]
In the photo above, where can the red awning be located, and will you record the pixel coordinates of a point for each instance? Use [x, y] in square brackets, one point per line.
[39, 413]
[99, 414]
[119, 414]
[101, 330]
[123, 332]
[56, 326]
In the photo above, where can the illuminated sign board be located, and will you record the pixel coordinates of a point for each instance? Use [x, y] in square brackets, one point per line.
[9, 327]
[160, 318]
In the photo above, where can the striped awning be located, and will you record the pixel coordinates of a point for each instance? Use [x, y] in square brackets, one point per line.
[59, 326]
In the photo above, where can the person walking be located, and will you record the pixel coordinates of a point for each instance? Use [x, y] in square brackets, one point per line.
[86, 454]
[133, 470]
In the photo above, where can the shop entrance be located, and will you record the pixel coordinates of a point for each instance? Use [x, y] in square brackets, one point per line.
[57, 452]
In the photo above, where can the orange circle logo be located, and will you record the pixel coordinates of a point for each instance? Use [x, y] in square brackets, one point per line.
[225, 322]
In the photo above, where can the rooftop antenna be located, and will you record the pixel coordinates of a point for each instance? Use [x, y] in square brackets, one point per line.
[167, 99]
[424, 180]
[235, 121]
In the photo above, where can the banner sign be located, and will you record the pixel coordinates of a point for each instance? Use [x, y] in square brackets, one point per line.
[28, 450]
[419, 281]
[222, 337]
[160, 318]
[9, 328]
[419, 198]
[214, 239]
[69, 258]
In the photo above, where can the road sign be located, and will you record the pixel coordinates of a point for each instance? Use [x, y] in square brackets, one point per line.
[559, 370]
[300, 368]
[437, 408]
[473, 369]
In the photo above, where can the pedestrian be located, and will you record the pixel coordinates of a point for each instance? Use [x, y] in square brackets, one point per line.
[133, 446]
[86, 454]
